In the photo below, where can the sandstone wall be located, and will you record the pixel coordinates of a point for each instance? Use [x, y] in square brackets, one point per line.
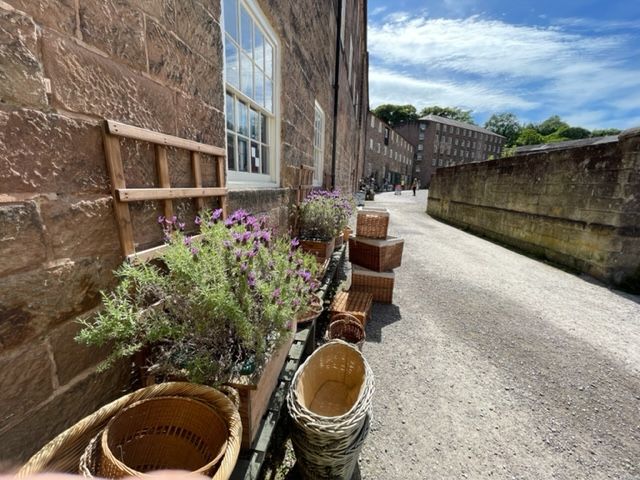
[65, 65]
[578, 207]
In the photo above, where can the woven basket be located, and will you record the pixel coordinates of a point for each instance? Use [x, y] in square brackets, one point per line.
[163, 433]
[375, 254]
[63, 453]
[348, 328]
[372, 222]
[321, 250]
[378, 284]
[330, 402]
[354, 303]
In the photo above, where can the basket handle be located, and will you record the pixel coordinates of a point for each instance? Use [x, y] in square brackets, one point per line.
[232, 394]
[344, 316]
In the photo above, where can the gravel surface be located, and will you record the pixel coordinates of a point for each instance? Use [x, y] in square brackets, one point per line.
[491, 364]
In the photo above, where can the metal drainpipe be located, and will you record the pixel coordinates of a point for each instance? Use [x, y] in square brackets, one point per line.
[336, 92]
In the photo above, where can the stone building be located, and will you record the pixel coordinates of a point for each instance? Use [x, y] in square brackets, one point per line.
[388, 155]
[442, 142]
[278, 84]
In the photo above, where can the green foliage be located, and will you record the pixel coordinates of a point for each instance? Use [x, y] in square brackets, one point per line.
[505, 124]
[529, 136]
[324, 214]
[573, 133]
[550, 125]
[396, 114]
[216, 302]
[454, 113]
[603, 132]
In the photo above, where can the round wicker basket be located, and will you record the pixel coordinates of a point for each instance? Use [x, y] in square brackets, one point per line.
[163, 433]
[313, 310]
[346, 327]
[63, 453]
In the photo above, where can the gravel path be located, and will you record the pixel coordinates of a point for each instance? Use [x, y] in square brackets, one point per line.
[495, 365]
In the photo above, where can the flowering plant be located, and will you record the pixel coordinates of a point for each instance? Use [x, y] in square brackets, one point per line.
[324, 214]
[219, 303]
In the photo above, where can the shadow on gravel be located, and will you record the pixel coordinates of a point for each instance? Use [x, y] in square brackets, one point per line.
[382, 314]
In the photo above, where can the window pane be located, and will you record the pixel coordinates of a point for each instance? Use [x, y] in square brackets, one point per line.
[263, 130]
[231, 63]
[255, 125]
[268, 94]
[246, 75]
[231, 151]
[231, 18]
[231, 115]
[258, 47]
[265, 160]
[246, 30]
[243, 155]
[243, 120]
[255, 157]
[268, 59]
[258, 82]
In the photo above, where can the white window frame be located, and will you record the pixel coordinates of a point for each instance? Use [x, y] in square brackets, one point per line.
[236, 179]
[318, 145]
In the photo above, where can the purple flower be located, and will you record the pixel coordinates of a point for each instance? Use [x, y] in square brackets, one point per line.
[251, 279]
[161, 219]
[216, 215]
[296, 302]
[187, 240]
[229, 222]
[198, 220]
[304, 274]
[238, 254]
[194, 251]
[237, 236]
[295, 243]
[266, 236]
[226, 243]
[181, 226]
[276, 293]
[244, 267]
[246, 236]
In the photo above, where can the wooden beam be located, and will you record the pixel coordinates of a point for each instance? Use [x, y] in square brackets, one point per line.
[116, 173]
[137, 133]
[222, 182]
[150, 253]
[197, 178]
[162, 166]
[142, 194]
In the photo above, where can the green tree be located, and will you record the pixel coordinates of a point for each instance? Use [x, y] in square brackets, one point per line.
[603, 132]
[529, 136]
[550, 125]
[454, 113]
[396, 114]
[573, 133]
[505, 124]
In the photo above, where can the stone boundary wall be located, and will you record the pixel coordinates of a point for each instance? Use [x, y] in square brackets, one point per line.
[577, 207]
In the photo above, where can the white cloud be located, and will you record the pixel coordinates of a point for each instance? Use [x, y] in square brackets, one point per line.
[490, 65]
[378, 10]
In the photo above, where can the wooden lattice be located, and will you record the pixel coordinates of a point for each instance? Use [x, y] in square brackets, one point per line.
[302, 181]
[122, 195]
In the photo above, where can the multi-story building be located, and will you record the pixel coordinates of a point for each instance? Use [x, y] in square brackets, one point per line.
[276, 84]
[442, 142]
[388, 155]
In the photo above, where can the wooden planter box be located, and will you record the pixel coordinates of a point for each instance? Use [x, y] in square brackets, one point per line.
[321, 250]
[375, 254]
[255, 392]
[378, 284]
[355, 303]
[372, 222]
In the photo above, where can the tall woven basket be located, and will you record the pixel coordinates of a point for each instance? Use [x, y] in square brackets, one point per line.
[346, 327]
[63, 453]
[330, 405]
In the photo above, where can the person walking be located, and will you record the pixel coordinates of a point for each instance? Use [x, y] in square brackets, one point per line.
[414, 185]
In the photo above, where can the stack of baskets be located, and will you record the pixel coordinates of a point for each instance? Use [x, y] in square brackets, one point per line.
[374, 255]
[330, 406]
[174, 425]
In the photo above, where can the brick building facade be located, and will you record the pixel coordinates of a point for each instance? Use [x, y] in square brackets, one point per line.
[388, 155]
[442, 142]
[279, 84]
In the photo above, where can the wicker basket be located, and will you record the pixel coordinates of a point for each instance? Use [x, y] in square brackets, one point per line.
[312, 312]
[330, 404]
[372, 222]
[63, 453]
[375, 254]
[348, 328]
[346, 233]
[378, 284]
[163, 433]
[337, 242]
[354, 303]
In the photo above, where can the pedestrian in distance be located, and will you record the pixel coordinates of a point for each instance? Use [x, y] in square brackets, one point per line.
[414, 185]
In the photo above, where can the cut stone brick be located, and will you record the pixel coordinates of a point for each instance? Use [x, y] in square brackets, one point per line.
[22, 242]
[59, 15]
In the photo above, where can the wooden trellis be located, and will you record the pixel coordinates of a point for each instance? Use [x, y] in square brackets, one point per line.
[302, 181]
[122, 195]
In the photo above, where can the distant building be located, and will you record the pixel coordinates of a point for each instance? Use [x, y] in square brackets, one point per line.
[442, 142]
[388, 155]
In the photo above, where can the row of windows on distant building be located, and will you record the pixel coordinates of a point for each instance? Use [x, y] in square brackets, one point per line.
[389, 134]
[393, 154]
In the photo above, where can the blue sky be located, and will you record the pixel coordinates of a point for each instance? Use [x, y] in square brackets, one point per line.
[576, 59]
